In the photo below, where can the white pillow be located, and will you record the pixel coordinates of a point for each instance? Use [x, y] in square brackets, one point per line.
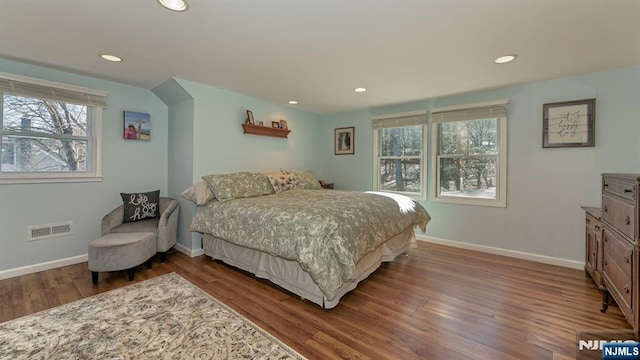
[199, 193]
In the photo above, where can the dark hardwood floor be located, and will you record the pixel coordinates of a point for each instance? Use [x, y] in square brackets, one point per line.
[435, 303]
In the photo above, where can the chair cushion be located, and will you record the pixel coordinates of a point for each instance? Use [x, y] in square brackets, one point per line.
[114, 252]
[150, 225]
[141, 206]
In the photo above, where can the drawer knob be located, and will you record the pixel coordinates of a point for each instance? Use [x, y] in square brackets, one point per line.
[605, 185]
[626, 259]
[605, 208]
[628, 190]
[626, 289]
[597, 228]
[627, 220]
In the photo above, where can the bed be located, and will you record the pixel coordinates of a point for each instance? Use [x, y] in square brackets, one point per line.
[315, 243]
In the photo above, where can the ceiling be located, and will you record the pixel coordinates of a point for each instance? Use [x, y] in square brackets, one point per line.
[318, 51]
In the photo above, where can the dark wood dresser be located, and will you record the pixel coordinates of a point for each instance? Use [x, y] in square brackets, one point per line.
[620, 219]
[593, 244]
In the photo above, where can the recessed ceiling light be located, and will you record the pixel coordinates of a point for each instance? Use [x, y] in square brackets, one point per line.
[175, 5]
[505, 59]
[293, 102]
[360, 89]
[111, 57]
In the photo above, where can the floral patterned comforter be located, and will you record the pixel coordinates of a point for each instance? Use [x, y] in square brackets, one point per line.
[326, 231]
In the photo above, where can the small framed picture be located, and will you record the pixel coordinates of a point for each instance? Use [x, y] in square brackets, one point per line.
[344, 142]
[137, 125]
[275, 124]
[261, 123]
[249, 117]
[569, 124]
[283, 124]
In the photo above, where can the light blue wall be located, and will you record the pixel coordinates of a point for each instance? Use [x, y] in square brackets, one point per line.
[348, 172]
[545, 186]
[127, 166]
[180, 164]
[199, 133]
[219, 145]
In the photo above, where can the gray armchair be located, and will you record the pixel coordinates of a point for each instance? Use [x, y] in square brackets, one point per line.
[165, 226]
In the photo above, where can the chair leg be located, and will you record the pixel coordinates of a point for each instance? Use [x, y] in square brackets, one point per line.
[131, 271]
[150, 262]
[163, 256]
[94, 277]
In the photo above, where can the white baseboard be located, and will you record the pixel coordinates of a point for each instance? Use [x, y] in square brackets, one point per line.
[5, 274]
[189, 252]
[30, 269]
[511, 253]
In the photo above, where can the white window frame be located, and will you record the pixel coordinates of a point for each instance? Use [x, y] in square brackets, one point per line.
[92, 98]
[501, 163]
[422, 195]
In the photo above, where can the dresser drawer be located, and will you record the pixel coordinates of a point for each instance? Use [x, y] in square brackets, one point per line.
[620, 214]
[625, 188]
[617, 269]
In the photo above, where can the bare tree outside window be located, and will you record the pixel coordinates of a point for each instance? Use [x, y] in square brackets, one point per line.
[46, 135]
[467, 157]
[400, 159]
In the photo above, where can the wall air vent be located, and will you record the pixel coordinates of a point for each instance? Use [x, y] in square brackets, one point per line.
[39, 232]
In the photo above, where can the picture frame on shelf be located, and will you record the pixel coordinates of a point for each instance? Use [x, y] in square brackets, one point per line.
[137, 125]
[569, 124]
[261, 123]
[283, 124]
[275, 124]
[344, 141]
[250, 118]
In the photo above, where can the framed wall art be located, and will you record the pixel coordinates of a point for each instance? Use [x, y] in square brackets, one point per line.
[137, 125]
[249, 118]
[344, 142]
[569, 124]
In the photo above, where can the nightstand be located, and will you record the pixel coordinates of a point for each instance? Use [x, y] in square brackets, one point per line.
[326, 185]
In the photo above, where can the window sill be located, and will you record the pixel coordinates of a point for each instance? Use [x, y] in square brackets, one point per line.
[48, 179]
[469, 201]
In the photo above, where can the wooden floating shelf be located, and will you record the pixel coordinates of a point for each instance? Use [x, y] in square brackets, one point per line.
[265, 131]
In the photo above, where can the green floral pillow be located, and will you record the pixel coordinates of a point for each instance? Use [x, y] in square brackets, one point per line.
[227, 187]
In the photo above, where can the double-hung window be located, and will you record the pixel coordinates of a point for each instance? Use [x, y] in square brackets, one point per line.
[49, 132]
[399, 154]
[470, 154]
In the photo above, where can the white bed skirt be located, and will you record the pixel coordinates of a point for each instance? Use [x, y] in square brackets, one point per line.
[289, 275]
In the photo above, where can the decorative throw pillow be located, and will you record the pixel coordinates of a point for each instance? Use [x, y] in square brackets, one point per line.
[273, 172]
[227, 187]
[141, 206]
[283, 182]
[306, 180]
[199, 193]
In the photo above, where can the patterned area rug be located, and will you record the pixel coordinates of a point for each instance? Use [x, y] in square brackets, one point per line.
[162, 318]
